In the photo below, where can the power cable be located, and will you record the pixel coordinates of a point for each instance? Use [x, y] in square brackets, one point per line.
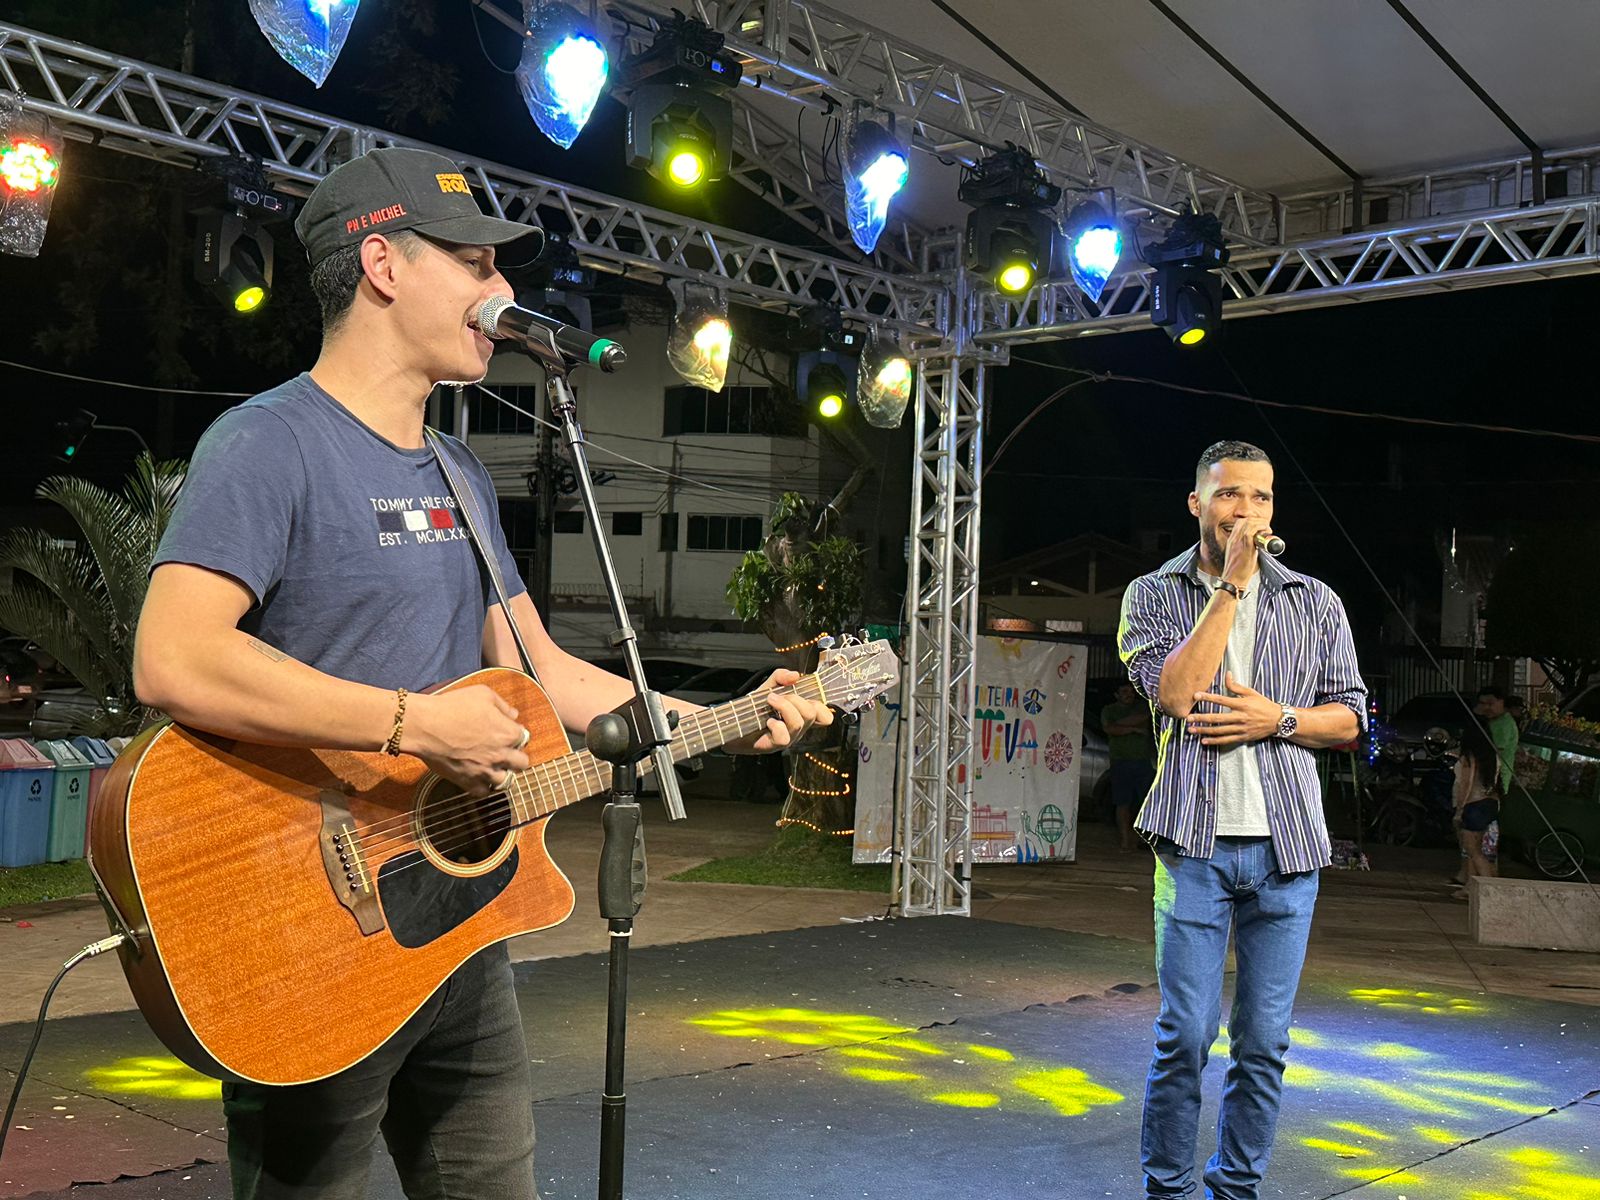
[137, 387]
[1433, 422]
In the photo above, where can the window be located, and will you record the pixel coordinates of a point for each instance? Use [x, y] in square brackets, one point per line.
[488, 415]
[735, 409]
[724, 533]
[627, 524]
[519, 521]
[669, 531]
[569, 522]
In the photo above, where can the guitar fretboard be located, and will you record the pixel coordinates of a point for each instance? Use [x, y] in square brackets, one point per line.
[545, 787]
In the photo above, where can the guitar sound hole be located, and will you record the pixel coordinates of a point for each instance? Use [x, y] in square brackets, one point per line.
[464, 830]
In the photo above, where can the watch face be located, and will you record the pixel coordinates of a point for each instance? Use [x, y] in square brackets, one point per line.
[1288, 725]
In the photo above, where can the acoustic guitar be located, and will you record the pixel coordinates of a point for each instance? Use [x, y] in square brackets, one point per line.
[289, 909]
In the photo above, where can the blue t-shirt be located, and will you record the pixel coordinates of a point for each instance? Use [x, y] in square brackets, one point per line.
[352, 546]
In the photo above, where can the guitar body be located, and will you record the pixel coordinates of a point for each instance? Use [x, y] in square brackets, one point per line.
[292, 908]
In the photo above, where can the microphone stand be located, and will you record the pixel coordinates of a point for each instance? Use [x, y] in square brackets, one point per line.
[640, 729]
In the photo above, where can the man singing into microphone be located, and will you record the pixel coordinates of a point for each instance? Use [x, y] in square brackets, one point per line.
[1249, 667]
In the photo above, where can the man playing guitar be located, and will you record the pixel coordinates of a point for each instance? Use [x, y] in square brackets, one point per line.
[315, 572]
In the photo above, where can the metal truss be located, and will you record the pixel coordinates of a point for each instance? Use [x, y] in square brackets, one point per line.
[1496, 185]
[798, 47]
[941, 647]
[146, 110]
[1440, 255]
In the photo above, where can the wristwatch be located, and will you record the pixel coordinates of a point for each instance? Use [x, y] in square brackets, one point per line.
[1237, 592]
[1288, 723]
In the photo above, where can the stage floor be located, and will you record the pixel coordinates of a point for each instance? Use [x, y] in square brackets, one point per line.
[941, 1058]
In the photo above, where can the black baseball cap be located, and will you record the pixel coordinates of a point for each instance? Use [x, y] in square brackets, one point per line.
[395, 188]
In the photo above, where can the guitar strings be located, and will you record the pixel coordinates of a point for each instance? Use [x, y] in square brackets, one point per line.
[474, 804]
[471, 812]
[460, 813]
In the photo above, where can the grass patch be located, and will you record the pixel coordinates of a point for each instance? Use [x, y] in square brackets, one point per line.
[44, 881]
[797, 857]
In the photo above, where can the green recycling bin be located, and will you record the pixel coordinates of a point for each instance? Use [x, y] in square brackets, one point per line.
[69, 802]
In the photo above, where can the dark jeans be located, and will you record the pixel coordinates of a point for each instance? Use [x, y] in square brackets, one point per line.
[1198, 900]
[451, 1092]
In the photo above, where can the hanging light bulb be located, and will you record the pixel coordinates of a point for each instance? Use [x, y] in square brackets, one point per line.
[562, 73]
[877, 170]
[883, 388]
[701, 337]
[307, 34]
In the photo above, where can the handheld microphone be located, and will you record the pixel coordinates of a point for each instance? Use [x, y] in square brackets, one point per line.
[1271, 543]
[499, 318]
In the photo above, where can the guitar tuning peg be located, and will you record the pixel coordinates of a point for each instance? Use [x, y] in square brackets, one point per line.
[826, 641]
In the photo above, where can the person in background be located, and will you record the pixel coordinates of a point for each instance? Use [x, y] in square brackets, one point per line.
[1518, 708]
[1126, 722]
[1502, 729]
[1477, 799]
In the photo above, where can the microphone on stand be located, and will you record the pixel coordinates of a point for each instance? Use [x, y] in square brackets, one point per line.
[1271, 543]
[499, 318]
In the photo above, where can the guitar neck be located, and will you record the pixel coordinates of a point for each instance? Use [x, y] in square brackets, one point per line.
[548, 786]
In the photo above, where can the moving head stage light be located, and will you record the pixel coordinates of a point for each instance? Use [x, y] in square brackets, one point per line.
[680, 124]
[1011, 233]
[1186, 298]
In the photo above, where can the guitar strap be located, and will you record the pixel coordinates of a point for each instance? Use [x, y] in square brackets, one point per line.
[467, 506]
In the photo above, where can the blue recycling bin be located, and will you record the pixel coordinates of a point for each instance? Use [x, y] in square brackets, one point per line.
[69, 799]
[26, 789]
[101, 756]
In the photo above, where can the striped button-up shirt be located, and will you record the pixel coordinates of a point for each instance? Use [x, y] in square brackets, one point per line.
[1304, 657]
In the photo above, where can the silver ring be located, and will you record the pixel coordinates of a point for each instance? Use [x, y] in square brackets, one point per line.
[526, 734]
[506, 782]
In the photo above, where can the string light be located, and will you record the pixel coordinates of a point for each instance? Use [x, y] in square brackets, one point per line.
[800, 791]
[799, 645]
[782, 821]
[829, 767]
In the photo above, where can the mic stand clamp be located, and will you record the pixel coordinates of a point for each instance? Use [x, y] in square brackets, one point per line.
[640, 729]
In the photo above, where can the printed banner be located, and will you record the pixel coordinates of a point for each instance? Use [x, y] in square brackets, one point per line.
[1028, 730]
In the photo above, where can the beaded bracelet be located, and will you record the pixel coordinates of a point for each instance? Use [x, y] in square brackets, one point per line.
[392, 746]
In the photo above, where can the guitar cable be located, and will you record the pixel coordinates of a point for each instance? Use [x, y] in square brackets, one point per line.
[92, 950]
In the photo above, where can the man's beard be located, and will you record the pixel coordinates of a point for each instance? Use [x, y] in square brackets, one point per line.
[1217, 552]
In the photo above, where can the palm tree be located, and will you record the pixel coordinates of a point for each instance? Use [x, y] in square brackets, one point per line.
[81, 602]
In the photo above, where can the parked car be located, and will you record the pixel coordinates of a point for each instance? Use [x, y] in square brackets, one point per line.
[662, 674]
[20, 678]
[1410, 723]
[51, 674]
[716, 685]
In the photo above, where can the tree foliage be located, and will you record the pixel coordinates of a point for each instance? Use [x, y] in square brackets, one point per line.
[81, 602]
[1542, 603]
[803, 582]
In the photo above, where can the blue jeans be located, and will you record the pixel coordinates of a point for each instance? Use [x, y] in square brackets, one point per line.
[1198, 901]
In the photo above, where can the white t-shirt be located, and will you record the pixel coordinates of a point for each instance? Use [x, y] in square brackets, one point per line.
[1241, 804]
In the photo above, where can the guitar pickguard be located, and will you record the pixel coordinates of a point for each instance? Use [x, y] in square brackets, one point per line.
[423, 903]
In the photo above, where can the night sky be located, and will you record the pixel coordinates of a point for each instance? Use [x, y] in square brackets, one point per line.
[1110, 458]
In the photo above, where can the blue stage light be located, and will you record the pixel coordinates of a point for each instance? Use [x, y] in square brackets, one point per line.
[307, 34]
[562, 73]
[1095, 246]
[878, 169]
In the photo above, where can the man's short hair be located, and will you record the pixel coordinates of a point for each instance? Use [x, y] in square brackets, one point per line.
[1492, 689]
[335, 279]
[1515, 700]
[1228, 451]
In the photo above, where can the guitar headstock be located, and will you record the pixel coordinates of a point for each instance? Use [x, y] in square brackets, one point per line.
[855, 674]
